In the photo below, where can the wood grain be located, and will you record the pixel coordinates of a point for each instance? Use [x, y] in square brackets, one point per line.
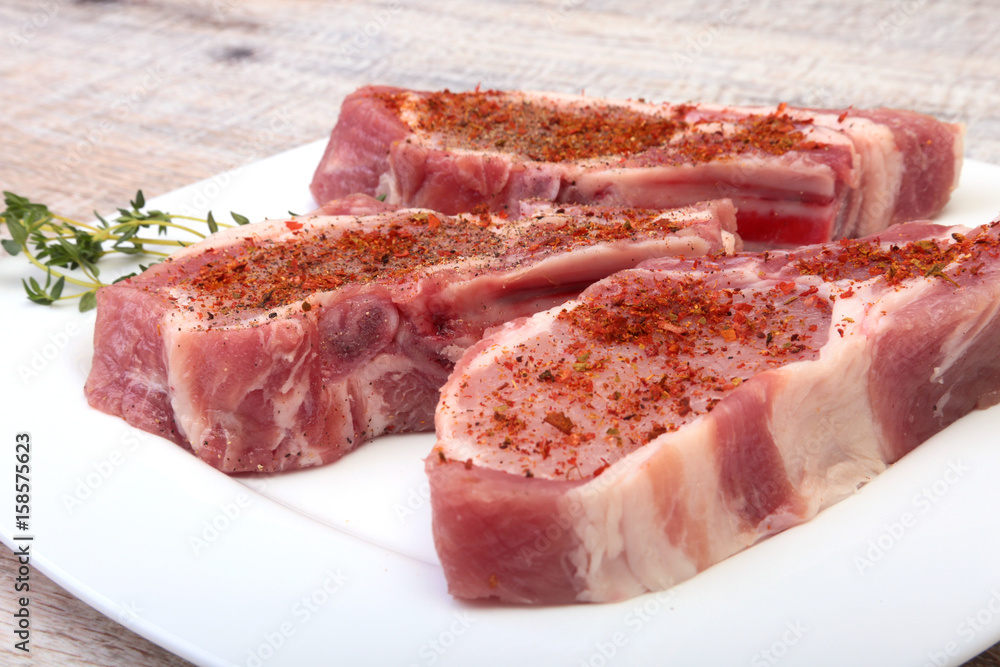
[65, 631]
[100, 97]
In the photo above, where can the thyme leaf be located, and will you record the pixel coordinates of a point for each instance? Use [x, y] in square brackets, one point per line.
[56, 244]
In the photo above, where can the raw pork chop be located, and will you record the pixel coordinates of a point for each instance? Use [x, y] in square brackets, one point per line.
[681, 411]
[797, 176]
[285, 344]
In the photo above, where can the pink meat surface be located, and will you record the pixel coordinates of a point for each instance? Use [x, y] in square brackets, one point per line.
[679, 412]
[287, 343]
[797, 176]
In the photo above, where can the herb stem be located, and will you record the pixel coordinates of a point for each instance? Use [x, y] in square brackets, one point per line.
[107, 233]
[164, 242]
[59, 274]
[55, 233]
[56, 244]
[74, 223]
[196, 219]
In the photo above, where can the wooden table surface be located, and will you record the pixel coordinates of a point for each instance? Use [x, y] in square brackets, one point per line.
[100, 97]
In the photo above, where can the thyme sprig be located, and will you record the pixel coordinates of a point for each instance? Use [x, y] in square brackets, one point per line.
[56, 244]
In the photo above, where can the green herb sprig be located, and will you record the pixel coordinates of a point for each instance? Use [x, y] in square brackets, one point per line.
[56, 244]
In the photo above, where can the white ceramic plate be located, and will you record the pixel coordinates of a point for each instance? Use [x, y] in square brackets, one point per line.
[336, 565]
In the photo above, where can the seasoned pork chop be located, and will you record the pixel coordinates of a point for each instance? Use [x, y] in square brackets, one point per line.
[287, 343]
[797, 176]
[681, 411]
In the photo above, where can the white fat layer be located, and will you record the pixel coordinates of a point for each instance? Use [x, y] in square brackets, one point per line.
[964, 335]
[188, 418]
[624, 547]
[388, 185]
[612, 506]
[825, 431]
[382, 367]
[290, 397]
[452, 352]
[196, 421]
[621, 516]
[729, 242]
[670, 185]
[592, 263]
[881, 169]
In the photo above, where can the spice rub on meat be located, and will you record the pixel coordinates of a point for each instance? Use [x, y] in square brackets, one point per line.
[681, 411]
[287, 343]
[797, 176]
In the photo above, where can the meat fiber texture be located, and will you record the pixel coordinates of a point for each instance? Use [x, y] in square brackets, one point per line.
[797, 176]
[285, 344]
[679, 412]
